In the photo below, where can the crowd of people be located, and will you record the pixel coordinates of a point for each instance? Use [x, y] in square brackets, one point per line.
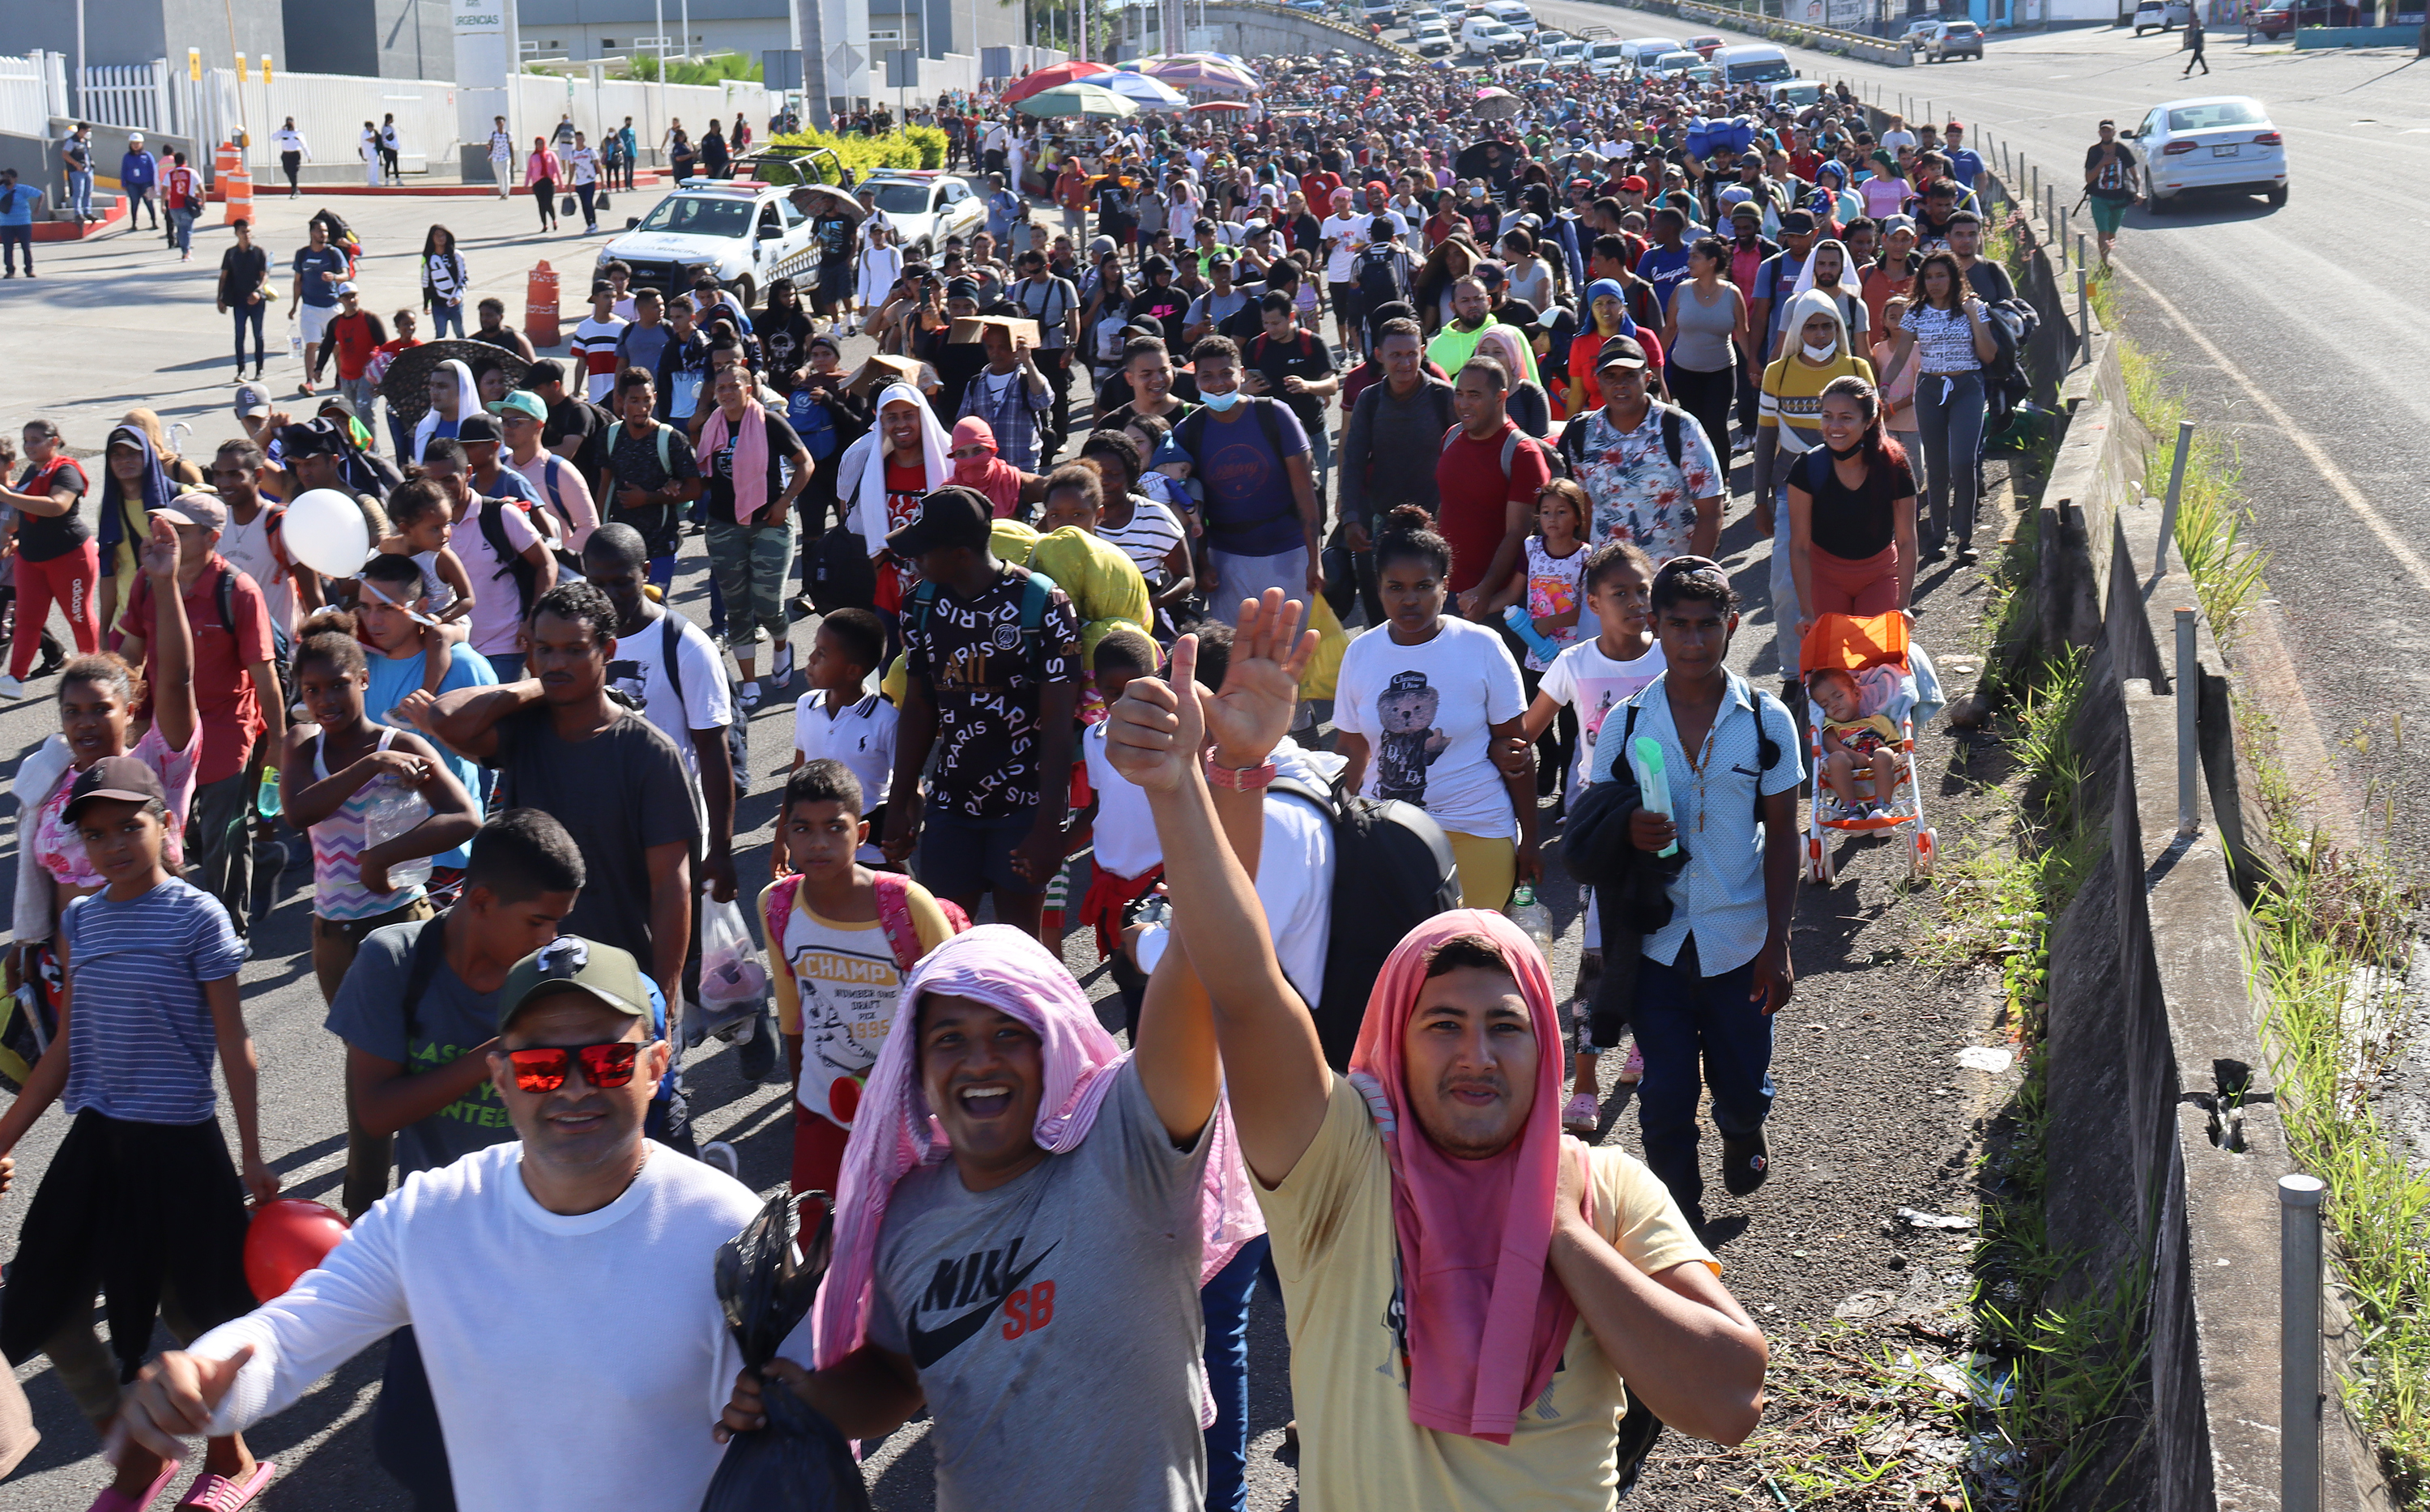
[1472, 388]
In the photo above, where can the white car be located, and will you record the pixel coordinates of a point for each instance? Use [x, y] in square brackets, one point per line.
[2216, 141]
[741, 230]
[926, 207]
[2160, 15]
[1481, 36]
[1606, 58]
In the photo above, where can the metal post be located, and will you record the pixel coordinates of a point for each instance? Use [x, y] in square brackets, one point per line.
[2063, 215]
[2176, 488]
[2083, 315]
[2079, 250]
[2299, 1342]
[2187, 691]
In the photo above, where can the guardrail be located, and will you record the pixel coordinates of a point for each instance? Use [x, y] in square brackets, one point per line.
[1315, 19]
[1883, 50]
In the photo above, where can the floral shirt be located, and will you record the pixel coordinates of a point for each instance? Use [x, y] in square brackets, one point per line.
[1637, 494]
[61, 849]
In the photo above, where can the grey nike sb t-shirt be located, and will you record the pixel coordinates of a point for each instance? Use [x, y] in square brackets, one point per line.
[1054, 1321]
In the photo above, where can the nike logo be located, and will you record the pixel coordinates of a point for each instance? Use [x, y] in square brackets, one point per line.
[929, 1345]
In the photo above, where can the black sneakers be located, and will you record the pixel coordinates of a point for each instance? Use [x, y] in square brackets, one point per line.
[1745, 1163]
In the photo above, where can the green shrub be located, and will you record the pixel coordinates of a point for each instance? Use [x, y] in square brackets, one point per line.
[815, 153]
[931, 143]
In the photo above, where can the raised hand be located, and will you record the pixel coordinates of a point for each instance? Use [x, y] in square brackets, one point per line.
[173, 1400]
[1260, 694]
[159, 556]
[1156, 736]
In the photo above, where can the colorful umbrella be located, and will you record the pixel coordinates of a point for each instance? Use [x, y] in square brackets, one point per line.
[1047, 78]
[1145, 93]
[1495, 104]
[1088, 100]
[1234, 104]
[1200, 74]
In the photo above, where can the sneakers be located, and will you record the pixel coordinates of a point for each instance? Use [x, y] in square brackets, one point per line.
[1582, 1113]
[1633, 1071]
[1967, 556]
[13, 689]
[781, 675]
[1745, 1165]
[748, 699]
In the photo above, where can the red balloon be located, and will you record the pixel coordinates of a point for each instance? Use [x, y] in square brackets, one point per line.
[288, 1236]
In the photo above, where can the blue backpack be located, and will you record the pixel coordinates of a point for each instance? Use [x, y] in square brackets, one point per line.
[813, 422]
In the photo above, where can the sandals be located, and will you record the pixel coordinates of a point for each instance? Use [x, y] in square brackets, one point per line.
[113, 1499]
[1633, 1071]
[217, 1494]
[1582, 1114]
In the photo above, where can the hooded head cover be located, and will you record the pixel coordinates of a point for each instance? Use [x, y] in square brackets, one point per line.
[895, 1132]
[467, 402]
[1847, 284]
[991, 475]
[1610, 287]
[151, 491]
[860, 477]
[1486, 1320]
[1803, 308]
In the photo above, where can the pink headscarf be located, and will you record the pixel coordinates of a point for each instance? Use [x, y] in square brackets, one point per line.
[1486, 1320]
[894, 1133]
[998, 479]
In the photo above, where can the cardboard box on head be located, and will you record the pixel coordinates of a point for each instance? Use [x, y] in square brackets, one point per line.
[967, 329]
[881, 369]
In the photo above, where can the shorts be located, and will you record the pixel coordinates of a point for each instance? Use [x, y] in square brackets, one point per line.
[835, 281]
[314, 320]
[1346, 306]
[962, 857]
[2108, 214]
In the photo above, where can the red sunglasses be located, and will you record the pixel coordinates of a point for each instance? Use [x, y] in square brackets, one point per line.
[605, 1067]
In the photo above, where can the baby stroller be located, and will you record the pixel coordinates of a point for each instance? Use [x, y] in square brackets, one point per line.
[1894, 681]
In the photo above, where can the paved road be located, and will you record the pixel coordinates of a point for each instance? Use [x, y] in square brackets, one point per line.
[2292, 329]
[122, 324]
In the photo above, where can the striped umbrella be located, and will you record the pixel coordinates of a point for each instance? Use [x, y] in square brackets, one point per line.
[1047, 78]
[1200, 74]
[1076, 99]
[1145, 93]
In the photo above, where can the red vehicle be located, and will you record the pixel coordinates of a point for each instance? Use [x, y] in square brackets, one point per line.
[2280, 19]
[1705, 47]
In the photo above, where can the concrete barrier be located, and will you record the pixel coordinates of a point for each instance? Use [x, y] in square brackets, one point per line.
[1789, 33]
[2309, 38]
[1252, 28]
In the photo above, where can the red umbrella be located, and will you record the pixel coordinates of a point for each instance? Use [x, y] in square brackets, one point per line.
[1221, 105]
[1076, 72]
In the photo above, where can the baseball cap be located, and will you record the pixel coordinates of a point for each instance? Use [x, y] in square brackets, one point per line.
[1634, 184]
[311, 438]
[522, 402]
[195, 507]
[252, 399]
[1620, 351]
[570, 963]
[348, 289]
[125, 778]
[1898, 223]
[952, 516]
[1797, 221]
[474, 429]
[962, 289]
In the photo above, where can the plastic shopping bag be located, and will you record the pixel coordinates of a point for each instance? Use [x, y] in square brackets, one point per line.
[733, 980]
[767, 1277]
[1325, 668]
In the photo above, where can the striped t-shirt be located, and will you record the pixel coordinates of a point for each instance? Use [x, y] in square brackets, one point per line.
[141, 1042]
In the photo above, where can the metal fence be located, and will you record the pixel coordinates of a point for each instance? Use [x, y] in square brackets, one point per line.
[32, 90]
[134, 96]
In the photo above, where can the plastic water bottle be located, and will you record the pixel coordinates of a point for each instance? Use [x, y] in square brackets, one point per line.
[396, 808]
[1645, 755]
[1515, 616]
[1533, 919]
[265, 802]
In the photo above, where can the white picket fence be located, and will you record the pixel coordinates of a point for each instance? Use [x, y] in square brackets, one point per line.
[131, 96]
[32, 90]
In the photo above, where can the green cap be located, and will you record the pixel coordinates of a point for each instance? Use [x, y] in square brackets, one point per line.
[569, 963]
[523, 401]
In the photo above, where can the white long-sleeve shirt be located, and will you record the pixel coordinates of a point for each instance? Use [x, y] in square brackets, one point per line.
[576, 1362]
[286, 138]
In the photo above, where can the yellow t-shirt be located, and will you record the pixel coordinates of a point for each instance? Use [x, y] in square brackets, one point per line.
[836, 985]
[1334, 1248]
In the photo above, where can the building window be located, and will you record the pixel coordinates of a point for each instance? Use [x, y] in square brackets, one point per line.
[606, 42]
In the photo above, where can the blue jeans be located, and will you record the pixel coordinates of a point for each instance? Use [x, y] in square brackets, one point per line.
[507, 665]
[181, 226]
[1226, 1300]
[1952, 424]
[80, 195]
[442, 316]
[406, 1439]
[1680, 1019]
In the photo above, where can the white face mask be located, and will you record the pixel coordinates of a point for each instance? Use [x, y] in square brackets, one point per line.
[1822, 353]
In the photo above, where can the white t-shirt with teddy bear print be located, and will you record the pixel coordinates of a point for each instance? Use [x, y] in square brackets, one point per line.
[1427, 712]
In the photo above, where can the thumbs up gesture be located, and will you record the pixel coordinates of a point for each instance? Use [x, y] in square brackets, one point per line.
[175, 1398]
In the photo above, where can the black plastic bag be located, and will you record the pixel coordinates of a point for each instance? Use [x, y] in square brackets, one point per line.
[766, 1280]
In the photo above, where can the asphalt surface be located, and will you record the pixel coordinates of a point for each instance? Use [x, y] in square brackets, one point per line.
[2293, 330]
[1873, 1113]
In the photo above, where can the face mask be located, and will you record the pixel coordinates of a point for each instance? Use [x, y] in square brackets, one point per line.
[1822, 353]
[1220, 401]
[1837, 454]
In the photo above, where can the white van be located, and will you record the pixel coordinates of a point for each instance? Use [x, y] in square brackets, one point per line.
[1512, 15]
[1641, 51]
[1796, 94]
[1607, 56]
[1753, 64]
[1481, 36]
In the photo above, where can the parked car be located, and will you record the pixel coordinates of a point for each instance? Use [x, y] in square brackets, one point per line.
[1605, 57]
[1953, 38]
[1512, 15]
[2160, 15]
[1913, 35]
[1666, 65]
[2216, 141]
[2280, 19]
[1481, 36]
[1793, 94]
[1431, 39]
[927, 207]
[1705, 46]
[1752, 63]
[745, 232]
[1703, 77]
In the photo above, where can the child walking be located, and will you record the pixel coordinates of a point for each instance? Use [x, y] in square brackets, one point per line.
[881, 265]
[140, 1204]
[1548, 584]
[840, 939]
[1592, 678]
[839, 721]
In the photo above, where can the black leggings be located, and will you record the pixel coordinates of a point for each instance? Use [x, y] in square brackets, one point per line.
[584, 192]
[244, 313]
[544, 195]
[1706, 395]
[291, 162]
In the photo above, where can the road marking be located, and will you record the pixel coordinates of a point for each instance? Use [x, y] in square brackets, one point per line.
[2397, 546]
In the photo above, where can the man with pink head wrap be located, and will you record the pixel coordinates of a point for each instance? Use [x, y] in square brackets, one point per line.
[1468, 1288]
[1025, 1216]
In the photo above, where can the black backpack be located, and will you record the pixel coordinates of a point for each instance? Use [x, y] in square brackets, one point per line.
[842, 575]
[1392, 871]
[525, 575]
[1382, 278]
[1572, 448]
[2005, 385]
[738, 731]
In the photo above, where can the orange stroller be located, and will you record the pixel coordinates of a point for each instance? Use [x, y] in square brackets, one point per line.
[1874, 652]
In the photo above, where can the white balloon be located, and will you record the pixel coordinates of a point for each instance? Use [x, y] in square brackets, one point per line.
[327, 532]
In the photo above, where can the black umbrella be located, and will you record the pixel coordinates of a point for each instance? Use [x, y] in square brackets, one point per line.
[1471, 163]
[406, 388]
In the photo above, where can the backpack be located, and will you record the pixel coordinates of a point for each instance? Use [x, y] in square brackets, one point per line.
[2005, 385]
[815, 424]
[1572, 448]
[842, 575]
[1035, 594]
[1190, 434]
[1382, 277]
[514, 564]
[738, 734]
[893, 915]
[1392, 869]
[1554, 463]
[666, 444]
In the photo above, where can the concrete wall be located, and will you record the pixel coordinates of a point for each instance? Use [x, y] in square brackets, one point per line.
[1252, 30]
[137, 31]
[385, 39]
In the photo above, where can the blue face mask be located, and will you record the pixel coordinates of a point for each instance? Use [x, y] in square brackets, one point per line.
[1220, 401]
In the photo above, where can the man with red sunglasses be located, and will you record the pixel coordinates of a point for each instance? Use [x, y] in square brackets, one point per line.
[581, 1253]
